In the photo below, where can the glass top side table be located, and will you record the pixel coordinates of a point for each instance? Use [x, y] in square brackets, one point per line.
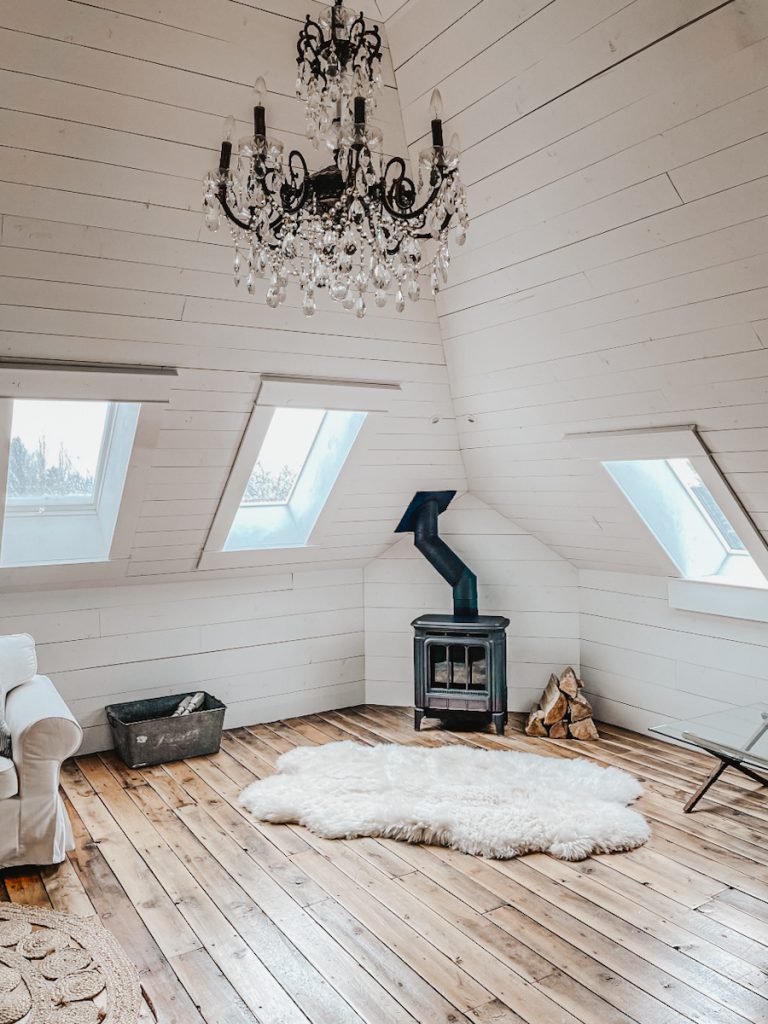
[738, 738]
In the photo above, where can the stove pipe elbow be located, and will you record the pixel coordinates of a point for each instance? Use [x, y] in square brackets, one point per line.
[446, 561]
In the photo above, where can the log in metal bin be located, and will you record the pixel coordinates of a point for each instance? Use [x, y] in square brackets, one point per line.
[145, 733]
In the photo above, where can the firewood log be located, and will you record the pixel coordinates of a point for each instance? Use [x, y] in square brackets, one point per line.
[554, 704]
[580, 708]
[558, 731]
[535, 724]
[584, 730]
[569, 684]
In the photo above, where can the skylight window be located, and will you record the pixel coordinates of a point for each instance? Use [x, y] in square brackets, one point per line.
[67, 462]
[57, 453]
[702, 496]
[299, 458]
[686, 519]
[284, 452]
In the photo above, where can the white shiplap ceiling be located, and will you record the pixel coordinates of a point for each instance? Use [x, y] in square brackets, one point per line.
[616, 272]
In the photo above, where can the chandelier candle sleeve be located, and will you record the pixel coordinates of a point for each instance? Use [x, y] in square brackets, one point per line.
[259, 114]
[358, 226]
[436, 111]
[226, 146]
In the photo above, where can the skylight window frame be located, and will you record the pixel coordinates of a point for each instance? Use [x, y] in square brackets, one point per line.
[286, 501]
[72, 533]
[147, 389]
[286, 527]
[53, 505]
[730, 551]
[274, 391]
[681, 442]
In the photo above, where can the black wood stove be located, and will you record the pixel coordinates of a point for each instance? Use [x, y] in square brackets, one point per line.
[460, 664]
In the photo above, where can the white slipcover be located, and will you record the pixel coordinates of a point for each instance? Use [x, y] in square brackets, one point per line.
[34, 828]
[18, 662]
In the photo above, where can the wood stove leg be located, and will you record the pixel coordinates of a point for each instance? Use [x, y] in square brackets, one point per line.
[418, 714]
[499, 721]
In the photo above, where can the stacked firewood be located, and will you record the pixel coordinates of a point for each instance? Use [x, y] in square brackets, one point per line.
[563, 711]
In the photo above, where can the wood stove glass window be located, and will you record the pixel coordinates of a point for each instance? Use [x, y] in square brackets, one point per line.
[457, 666]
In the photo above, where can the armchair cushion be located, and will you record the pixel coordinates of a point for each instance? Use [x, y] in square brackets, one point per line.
[18, 662]
[9, 780]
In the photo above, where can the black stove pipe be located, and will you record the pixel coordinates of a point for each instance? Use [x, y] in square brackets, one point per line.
[421, 518]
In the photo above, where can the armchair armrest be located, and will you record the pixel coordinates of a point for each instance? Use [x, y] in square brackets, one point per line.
[44, 732]
[42, 726]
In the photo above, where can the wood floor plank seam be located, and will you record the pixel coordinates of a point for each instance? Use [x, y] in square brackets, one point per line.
[236, 921]
[715, 1013]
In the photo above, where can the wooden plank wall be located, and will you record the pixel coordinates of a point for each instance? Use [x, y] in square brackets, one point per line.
[267, 646]
[645, 662]
[518, 576]
[615, 276]
[616, 270]
[110, 114]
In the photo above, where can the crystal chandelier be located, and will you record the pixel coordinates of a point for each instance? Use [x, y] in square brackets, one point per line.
[358, 226]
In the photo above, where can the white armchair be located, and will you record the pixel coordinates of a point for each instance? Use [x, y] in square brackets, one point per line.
[34, 827]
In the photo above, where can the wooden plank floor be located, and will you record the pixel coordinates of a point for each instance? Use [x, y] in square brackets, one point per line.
[234, 921]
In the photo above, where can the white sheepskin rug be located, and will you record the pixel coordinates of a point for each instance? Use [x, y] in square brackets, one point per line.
[493, 803]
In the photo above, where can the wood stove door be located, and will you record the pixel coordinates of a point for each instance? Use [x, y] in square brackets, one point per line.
[457, 665]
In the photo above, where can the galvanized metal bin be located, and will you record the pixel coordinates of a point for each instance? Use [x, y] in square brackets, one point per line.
[145, 731]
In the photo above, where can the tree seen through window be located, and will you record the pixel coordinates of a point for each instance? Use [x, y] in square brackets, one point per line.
[56, 449]
[34, 474]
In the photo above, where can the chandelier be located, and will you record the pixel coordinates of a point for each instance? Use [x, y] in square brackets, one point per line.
[361, 225]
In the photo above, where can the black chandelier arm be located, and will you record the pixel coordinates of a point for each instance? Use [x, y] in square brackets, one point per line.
[401, 182]
[296, 189]
[310, 39]
[229, 213]
[265, 178]
[363, 38]
[231, 216]
[311, 46]
[363, 46]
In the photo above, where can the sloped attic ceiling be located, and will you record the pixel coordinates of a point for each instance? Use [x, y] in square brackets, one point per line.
[111, 114]
[615, 274]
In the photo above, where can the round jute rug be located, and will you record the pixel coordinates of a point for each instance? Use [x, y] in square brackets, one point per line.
[60, 969]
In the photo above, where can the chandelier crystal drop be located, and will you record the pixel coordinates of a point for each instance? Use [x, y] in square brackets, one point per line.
[360, 229]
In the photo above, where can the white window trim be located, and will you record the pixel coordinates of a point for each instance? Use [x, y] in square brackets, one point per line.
[717, 597]
[148, 387]
[277, 391]
[74, 381]
[710, 596]
[65, 533]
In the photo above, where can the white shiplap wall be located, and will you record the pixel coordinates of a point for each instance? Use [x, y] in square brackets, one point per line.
[616, 270]
[644, 662]
[518, 576]
[615, 276]
[111, 114]
[273, 646]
